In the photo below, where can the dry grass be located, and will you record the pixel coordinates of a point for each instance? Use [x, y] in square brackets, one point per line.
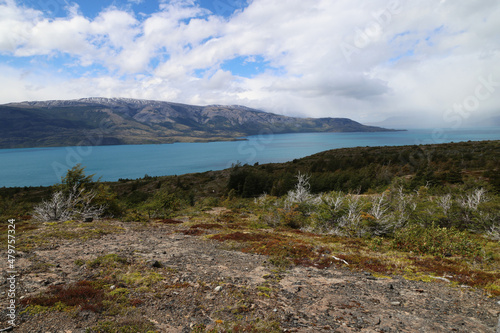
[47, 234]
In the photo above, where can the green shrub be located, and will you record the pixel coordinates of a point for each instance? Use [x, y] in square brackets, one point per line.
[435, 240]
[209, 202]
[161, 205]
[108, 260]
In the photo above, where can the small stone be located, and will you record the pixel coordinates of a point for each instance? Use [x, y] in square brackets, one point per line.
[112, 287]
[154, 263]
[396, 303]
[218, 288]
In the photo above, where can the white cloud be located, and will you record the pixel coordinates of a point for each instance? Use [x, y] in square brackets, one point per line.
[364, 60]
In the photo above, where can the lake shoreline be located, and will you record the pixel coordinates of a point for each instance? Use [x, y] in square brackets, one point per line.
[44, 166]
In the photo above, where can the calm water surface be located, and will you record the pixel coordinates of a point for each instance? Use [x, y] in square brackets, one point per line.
[45, 166]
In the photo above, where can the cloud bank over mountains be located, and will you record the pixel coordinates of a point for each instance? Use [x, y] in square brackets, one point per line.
[434, 62]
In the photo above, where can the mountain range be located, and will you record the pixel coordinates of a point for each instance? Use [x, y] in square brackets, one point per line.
[114, 121]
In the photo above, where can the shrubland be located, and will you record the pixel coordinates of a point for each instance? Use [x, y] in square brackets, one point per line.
[421, 212]
[353, 192]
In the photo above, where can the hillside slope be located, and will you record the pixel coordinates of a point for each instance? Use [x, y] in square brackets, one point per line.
[111, 121]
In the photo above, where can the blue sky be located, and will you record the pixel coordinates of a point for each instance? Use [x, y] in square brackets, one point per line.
[92, 8]
[431, 62]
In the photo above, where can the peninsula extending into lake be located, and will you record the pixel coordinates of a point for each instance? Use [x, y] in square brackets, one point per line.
[118, 121]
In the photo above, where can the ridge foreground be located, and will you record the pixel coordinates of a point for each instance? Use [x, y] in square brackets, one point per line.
[168, 276]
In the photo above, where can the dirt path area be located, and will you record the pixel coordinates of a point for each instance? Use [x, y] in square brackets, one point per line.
[187, 283]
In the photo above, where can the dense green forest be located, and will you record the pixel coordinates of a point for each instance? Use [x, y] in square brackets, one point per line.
[372, 169]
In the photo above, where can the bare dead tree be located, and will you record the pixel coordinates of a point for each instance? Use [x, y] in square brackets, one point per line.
[334, 202]
[62, 206]
[350, 224]
[379, 206]
[473, 199]
[445, 202]
[57, 208]
[301, 193]
[494, 232]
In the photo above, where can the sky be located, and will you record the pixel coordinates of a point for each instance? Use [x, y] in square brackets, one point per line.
[406, 63]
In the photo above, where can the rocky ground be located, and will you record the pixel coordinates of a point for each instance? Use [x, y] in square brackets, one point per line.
[177, 282]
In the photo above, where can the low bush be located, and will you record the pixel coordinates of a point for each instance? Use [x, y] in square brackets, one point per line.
[435, 240]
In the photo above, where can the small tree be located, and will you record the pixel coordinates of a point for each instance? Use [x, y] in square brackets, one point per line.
[75, 177]
[74, 200]
[162, 204]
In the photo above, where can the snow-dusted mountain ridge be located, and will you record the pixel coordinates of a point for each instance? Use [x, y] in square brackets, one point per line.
[136, 121]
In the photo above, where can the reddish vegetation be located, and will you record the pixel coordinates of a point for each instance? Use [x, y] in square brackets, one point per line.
[226, 217]
[177, 285]
[301, 253]
[459, 273]
[296, 250]
[243, 237]
[136, 301]
[81, 293]
[299, 232]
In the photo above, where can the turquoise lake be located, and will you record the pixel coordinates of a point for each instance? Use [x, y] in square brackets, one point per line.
[45, 166]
